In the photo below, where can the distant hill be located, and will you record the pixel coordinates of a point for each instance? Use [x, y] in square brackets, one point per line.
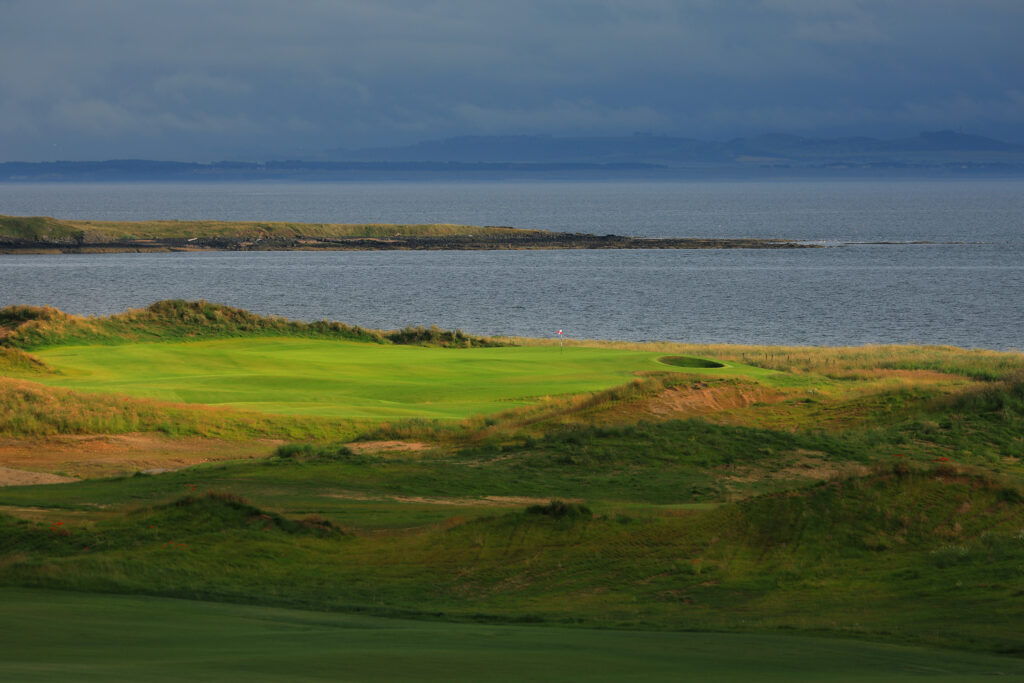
[510, 156]
[935, 146]
[544, 149]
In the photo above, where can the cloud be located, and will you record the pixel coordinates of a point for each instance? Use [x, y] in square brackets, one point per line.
[182, 85]
[197, 78]
[95, 117]
[562, 117]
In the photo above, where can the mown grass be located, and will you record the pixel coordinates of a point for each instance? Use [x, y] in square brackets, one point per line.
[340, 379]
[55, 636]
[930, 556]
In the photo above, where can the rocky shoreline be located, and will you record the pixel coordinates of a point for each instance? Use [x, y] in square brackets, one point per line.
[512, 240]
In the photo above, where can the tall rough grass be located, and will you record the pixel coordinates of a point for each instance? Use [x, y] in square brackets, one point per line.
[840, 362]
[31, 409]
[17, 361]
[31, 327]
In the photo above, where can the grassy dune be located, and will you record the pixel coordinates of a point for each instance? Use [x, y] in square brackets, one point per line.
[33, 409]
[928, 556]
[34, 327]
[871, 493]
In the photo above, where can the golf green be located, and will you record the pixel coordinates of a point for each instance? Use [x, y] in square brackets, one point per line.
[344, 379]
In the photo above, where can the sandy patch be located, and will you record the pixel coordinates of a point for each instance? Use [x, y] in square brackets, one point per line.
[119, 454]
[387, 446]
[701, 398]
[12, 477]
[806, 466]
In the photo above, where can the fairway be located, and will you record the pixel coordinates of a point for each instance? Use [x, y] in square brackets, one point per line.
[55, 636]
[344, 379]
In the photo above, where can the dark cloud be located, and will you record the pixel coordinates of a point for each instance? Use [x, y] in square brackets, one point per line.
[218, 79]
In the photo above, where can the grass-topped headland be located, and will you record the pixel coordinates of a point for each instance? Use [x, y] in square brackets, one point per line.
[43, 234]
[867, 492]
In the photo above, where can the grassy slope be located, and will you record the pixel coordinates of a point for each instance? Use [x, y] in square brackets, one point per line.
[171, 639]
[930, 556]
[45, 229]
[35, 327]
[30, 409]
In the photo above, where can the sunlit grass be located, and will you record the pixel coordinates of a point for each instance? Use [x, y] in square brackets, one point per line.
[842, 362]
[342, 379]
[32, 409]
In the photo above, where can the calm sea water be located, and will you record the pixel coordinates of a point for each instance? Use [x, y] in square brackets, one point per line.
[967, 294]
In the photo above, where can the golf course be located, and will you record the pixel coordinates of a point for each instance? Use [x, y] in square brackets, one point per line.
[342, 379]
[196, 490]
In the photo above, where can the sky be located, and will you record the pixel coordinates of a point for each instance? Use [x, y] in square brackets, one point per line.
[207, 80]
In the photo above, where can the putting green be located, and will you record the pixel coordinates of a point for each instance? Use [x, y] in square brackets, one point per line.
[344, 379]
[57, 636]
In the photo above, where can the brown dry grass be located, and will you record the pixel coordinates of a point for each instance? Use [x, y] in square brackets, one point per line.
[106, 455]
[385, 447]
[700, 399]
[803, 466]
[830, 361]
[30, 409]
[12, 477]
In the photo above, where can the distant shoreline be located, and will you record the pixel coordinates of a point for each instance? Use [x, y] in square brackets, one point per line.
[44, 235]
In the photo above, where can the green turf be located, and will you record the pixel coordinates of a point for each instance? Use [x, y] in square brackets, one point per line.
[344, 379]
[55, 636]
[928, 556]
[691, 525]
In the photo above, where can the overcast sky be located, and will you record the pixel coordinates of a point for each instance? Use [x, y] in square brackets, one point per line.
[260, 79]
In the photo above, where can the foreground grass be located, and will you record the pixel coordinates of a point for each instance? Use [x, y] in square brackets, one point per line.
[871, 493]
[929, 556]
[57, 636]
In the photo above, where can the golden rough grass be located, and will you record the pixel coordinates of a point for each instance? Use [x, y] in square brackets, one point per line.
[32, 409]
[841, 362]
[108, 455]
[17, 361]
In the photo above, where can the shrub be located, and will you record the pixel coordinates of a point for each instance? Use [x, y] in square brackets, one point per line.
[295, 450]
[559, 509]
[306, 452]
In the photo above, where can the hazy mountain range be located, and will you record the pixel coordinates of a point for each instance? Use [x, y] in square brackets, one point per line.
[930, 153]
[640, 148]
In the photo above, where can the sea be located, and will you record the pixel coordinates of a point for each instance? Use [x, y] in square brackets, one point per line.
[901, 261]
